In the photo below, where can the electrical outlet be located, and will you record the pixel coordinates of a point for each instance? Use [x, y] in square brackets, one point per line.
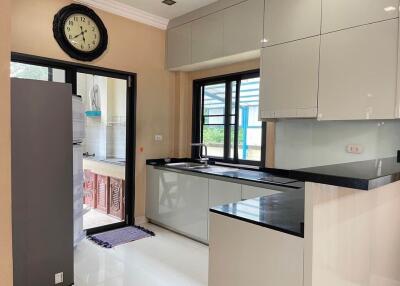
[59, 278]
[158, 137]
[354, 149]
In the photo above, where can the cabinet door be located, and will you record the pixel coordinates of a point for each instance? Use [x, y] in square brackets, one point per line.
[207, 38]
[250, 192]
[289, 85]
[243, 27]
[192, 207]
[290, 20]
[179, 46]
[243, 253]
[358, 73]
[152, 192]
[168, 197]
[221, 193]
[356, 12]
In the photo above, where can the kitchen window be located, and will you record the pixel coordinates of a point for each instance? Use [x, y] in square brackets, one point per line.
[226, 118]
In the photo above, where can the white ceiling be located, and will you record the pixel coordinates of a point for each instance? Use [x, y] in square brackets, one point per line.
[169, 12]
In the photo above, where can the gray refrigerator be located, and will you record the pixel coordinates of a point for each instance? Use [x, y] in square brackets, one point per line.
[42, 180]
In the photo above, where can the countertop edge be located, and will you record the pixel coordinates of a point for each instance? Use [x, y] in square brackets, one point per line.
[276, 228]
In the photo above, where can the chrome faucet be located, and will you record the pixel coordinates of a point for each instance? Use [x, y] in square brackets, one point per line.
[204, 159]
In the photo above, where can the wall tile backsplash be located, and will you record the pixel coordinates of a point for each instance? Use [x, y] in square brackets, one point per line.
[306, 142]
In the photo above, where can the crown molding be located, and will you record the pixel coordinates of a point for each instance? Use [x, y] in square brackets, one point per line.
[126, 11]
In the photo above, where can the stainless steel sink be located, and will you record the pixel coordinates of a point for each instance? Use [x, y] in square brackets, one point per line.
[186, 165]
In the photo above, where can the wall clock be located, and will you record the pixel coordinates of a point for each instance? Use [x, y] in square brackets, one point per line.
[80, 32]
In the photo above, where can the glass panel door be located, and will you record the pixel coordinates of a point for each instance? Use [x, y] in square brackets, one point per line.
[104, 148]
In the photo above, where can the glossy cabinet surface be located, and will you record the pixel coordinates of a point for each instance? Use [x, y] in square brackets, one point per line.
[250, 192]
[179, 48]
[289, 79]
[191, 210]
[178, 201]
[342, 14]
[243, 27]
[242, 253]
[289, 20]
[358, 73]
[152, 193]
[221, 192]
[207, 37]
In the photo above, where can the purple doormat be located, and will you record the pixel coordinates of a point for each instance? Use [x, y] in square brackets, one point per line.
[112, 238]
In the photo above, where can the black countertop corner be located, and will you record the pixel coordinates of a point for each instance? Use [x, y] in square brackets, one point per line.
[282, 212]
[362, 175]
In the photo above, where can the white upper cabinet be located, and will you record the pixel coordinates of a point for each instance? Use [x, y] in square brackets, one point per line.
[358, 73]
[288, 20]
[243, 27]
[207, 37]
[179, 48]
[289, 79]
[342, 14]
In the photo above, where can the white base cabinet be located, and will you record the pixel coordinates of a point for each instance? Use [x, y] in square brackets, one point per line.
[221, 192]
[242, 253]
[178, 201]
[250, 192]
[181, 202]
[358, 73]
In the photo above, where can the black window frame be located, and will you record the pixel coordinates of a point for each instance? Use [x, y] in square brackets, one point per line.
[198, 117]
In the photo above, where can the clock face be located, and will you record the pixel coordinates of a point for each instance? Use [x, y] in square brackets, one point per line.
[82, 32]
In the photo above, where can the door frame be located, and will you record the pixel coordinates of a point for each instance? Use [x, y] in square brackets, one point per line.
[71, 70]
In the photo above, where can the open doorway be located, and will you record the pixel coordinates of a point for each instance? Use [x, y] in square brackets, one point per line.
[107, 148]
[104, 148]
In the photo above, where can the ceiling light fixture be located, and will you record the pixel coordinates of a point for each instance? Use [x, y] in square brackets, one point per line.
[169, 2]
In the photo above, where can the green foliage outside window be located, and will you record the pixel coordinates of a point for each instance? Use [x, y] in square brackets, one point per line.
[213, 134]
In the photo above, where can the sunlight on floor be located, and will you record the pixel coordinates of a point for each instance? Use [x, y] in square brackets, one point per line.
[166, 259]
[95, 218]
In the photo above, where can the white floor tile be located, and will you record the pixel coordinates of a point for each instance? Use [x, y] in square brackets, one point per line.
[166, 259]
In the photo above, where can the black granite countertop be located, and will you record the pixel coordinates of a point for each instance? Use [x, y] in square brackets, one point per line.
[283, 212]
[237, 173]
[363, 175]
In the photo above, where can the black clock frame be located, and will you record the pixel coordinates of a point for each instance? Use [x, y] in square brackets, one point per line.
[58, 30]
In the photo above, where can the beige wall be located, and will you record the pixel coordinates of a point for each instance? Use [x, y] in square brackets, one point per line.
[133, 47]
[184, 95]
[5, 148]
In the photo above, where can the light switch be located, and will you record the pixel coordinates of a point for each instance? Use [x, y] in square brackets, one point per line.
[158, 137]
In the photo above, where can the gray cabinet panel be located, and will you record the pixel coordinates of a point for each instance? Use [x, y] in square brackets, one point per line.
[243, 27]
[289, 20]
[207, 38]
[289, 79]
[358, 73]
[356, 12]
[179, 46]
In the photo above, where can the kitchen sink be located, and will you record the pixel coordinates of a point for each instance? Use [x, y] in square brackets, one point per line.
[186, 165]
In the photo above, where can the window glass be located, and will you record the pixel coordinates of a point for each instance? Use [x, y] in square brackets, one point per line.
[35, 72]
[230, 125]
[214, 119]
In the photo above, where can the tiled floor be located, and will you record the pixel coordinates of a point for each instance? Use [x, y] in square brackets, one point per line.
[94, 218]
[167, 259]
